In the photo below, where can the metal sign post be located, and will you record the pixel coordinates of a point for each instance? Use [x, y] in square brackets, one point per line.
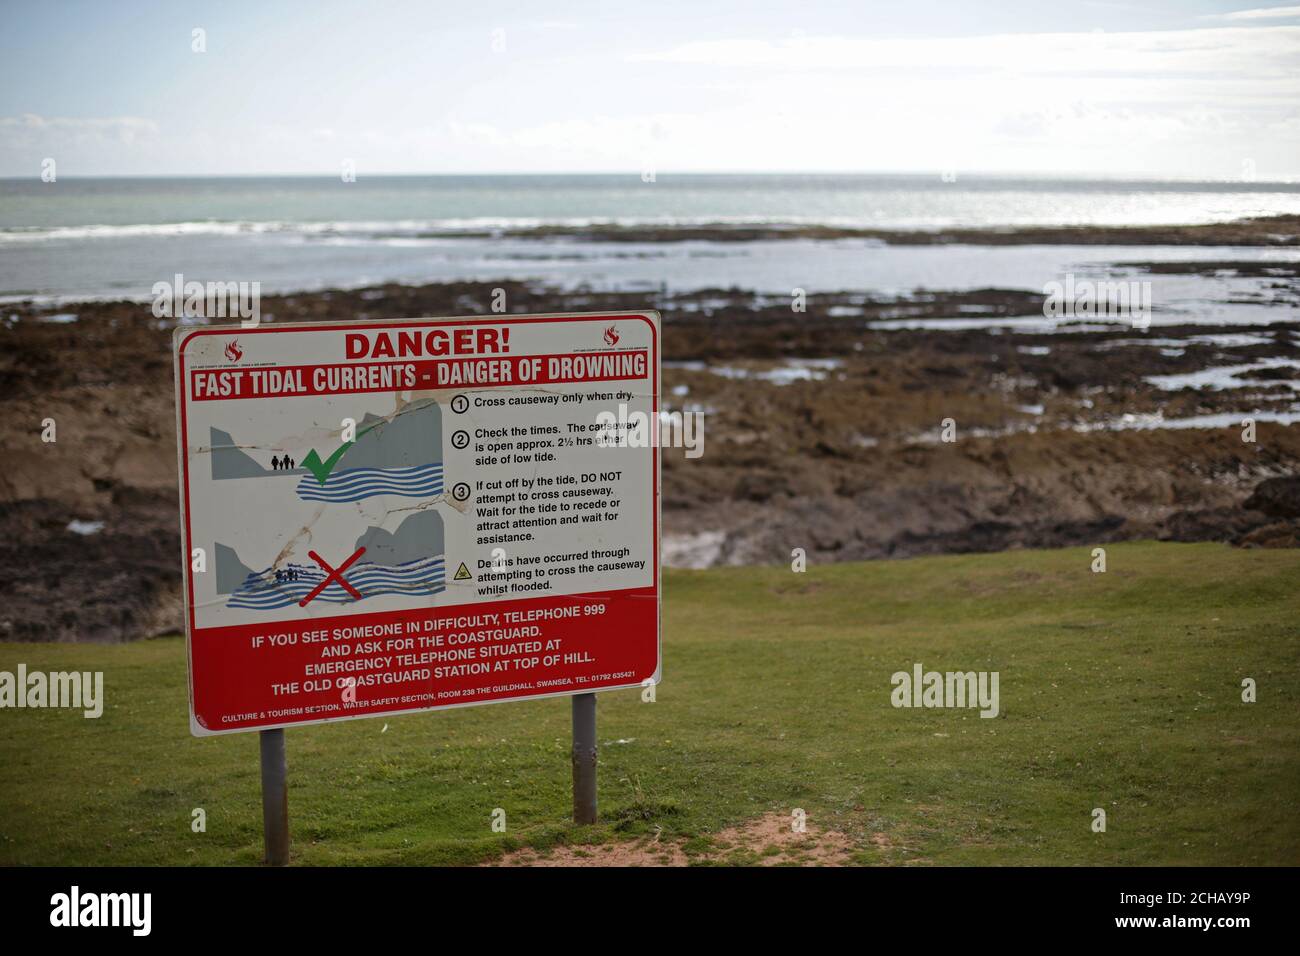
[584, 758]
[275, 797]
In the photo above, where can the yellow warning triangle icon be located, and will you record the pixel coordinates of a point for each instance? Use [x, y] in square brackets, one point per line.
[462, 573]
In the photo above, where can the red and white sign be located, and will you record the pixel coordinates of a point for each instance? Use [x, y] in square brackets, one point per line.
[386, 517]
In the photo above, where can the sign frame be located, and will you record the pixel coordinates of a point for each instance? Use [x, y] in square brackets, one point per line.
[184, 334]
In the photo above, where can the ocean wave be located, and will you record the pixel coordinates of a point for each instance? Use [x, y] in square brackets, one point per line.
[993, 211]
[431, 209]
[381, 229]
[427, 231]
[356, 484]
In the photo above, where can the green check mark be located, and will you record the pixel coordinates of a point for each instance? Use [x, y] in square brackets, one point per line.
[322, 469]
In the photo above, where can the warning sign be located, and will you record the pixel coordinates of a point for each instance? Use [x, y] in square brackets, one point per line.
[332, 474]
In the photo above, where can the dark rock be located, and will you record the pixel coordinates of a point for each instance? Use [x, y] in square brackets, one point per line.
[1276, 497]
[1282, 534]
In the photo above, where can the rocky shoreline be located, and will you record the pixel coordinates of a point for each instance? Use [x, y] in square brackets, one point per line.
[823, 432]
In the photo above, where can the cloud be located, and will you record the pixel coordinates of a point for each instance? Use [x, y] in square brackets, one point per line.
[1234, 52]
[29, 129]
[1258, 13]
[78, 144]
[32, 121]
[1181, 102]
[1186, 102]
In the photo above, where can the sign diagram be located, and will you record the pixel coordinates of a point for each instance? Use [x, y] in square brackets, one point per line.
[397, 516]
[377, 463]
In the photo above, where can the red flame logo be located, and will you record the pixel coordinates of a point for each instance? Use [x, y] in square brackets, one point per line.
[611, 335]
[233, 351]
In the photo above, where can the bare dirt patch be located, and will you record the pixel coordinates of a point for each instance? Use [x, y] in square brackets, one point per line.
[769, 840]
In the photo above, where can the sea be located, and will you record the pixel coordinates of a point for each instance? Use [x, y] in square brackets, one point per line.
[84, 239]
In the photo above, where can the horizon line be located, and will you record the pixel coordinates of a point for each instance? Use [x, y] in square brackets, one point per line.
[1287, 180]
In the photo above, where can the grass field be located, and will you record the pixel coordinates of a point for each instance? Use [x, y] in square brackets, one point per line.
[1119, 690]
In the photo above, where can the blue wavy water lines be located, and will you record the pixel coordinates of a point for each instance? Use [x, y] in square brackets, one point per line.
[354, 484]
[261, 592]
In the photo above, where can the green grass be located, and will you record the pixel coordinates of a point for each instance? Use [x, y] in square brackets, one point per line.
[1118, 690]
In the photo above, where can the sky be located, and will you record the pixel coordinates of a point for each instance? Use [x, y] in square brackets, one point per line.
[1178, 89]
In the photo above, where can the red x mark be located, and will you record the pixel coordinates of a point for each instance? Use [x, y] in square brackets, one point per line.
[335, 574]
